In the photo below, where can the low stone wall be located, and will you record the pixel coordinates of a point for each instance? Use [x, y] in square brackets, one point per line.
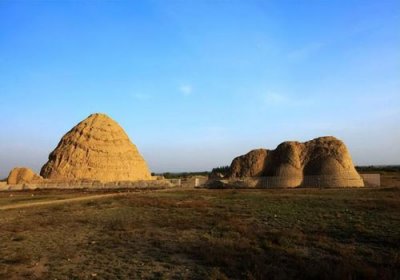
[195, 181]
[47, 184]
[371, 180]
[325, 181]
[190, 182]
[3, 186]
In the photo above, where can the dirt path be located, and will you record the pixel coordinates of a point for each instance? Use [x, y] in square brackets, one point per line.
[83, 198]
[60, 201]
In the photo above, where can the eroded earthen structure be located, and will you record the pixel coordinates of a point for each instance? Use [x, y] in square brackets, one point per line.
[96, 149]
[292, 162]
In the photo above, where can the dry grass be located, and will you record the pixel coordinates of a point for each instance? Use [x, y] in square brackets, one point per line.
[20, 197]
[390, 179]
[208, 234]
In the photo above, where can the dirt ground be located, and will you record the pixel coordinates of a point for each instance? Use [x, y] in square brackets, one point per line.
[201, 234]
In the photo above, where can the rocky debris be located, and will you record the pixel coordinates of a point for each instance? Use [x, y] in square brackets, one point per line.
[293, 161]
[216, 175]
[233, 183]
[96, 149]
[21, 175]
[217, 184]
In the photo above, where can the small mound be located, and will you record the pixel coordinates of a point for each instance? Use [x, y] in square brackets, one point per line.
[21, 175]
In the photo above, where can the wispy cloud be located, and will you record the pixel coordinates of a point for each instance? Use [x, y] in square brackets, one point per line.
[273, 98]
[278, 99]
[141, 96]
[186, 90]
[304, 52]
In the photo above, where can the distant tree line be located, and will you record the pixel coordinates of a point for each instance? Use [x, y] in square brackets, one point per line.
[224, 170]
[378, 168]
[176, 175]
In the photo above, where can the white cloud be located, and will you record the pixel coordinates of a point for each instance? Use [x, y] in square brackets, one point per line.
[273, 98]
[278, 99]
[141, 96]
[186, 90]
[304, 52]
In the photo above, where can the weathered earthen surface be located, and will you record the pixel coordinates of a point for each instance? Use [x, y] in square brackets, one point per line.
[293, 161]
[96, 149]
[251, 164]
[21, 175]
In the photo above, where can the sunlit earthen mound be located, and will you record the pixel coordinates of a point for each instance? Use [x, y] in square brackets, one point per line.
[293, 161]
[21, 175]
[96, 149]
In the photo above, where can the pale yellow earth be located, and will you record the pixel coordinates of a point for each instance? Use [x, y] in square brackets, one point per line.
[96, 149]
[324, 156]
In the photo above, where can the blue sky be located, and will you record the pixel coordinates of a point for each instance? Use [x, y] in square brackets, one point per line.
[196, 83]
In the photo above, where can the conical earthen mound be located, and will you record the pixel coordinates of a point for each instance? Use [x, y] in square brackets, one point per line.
[96, 149]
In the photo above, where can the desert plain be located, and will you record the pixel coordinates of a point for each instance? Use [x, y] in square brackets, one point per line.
[191, 233]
